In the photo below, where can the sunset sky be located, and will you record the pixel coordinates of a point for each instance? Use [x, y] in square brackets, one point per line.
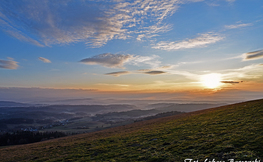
[189, 47]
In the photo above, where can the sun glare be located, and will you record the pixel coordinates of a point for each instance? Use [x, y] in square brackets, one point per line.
[211, 80]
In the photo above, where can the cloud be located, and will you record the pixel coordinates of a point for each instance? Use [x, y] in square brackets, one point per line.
[186, 74]
[118, 60]
[45, 23]
[230, 82]
[202, 41]
[108, 60]
[250, 72]
[113, 85]
[143, 70]
[154, 72]
[230, 1]
[151, 31]
[44, 60]
[146, 60]
[253, 55]
[166, 67]
[213, 4]
[237, 26]
[8, 64]
[118, 73]
[158, 68]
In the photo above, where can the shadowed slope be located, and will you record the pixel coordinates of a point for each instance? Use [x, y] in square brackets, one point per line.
[232, 131]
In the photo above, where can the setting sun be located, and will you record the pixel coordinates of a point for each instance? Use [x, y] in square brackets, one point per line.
[211, 80]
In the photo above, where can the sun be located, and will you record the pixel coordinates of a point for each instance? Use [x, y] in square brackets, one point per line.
[211, 81]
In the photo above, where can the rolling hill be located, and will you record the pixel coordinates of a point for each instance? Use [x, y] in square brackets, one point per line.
[227, 132]
[12, 104]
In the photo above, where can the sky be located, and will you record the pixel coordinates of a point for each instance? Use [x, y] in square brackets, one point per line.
[131, 48]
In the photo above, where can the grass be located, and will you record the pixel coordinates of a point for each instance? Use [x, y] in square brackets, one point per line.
[228, 132]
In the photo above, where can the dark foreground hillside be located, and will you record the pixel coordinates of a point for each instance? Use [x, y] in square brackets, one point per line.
[228, 132]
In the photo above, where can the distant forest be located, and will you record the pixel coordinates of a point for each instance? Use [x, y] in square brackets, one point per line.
[24, 137]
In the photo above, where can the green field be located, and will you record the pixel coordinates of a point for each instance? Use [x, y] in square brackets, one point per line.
[227, 132]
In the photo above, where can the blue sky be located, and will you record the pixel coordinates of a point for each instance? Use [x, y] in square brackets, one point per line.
[197, 46]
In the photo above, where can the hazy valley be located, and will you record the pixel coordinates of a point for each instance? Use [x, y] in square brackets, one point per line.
[16, 116]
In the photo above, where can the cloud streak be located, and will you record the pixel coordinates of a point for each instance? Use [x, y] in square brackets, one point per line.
[237, 26]
[141, 71]
[118, 73]
[8, 64]
[253, 55]
[108, 60]
[201, 41]
[154, 72]
[44, 60]
[230, 1]
[118, 60]
[230, 82]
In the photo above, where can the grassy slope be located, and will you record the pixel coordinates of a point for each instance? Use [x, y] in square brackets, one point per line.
[233, 131]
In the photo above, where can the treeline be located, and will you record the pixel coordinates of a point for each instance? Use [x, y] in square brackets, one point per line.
[17, 121]
[25, 121]
[24, 137]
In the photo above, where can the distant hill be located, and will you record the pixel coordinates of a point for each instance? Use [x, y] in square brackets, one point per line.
[222, 133]
[12, 104]
[188, 107]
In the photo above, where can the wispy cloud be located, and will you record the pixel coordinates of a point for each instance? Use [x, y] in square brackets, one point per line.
[166, 67]
[113, 85]
[118, 60]
[144, 70]
[201, 41]
[44, 60]
[230, 82]
[8, 64]
[118, 73]
[152, 61]
[237, 26]
[45, 23]
[230, 1]
[141, 71]
[154, 72]
[152, 31]
[213, 4]
[108, 60]
[253, 55]
[250, 72]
